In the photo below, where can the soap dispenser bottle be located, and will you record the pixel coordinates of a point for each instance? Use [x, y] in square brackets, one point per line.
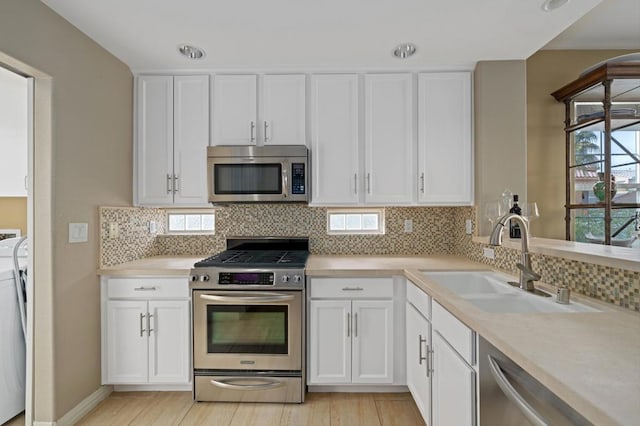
[514, 228]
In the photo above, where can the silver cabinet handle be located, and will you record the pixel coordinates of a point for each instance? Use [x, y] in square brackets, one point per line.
[149, 329]
[429, 359]
[26, 183]
[348, 324]
[422, 183]
[352, 289]
[368, 183]
[266, 131]
[253, 131]
[143, 288]
[233, 384]
[169, 184]
[176, 183]
[355, 183]
[529, 412]
[142, 330]
[420, 357]
[257, 296]
[355, 324]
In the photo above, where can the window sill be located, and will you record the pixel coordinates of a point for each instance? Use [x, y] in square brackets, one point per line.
[616, 257]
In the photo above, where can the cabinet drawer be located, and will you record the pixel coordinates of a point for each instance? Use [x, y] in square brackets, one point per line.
[148, 288]
[459, 336]
[419, 299]
[349, 288]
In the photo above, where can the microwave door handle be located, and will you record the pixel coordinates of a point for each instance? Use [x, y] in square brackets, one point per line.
[252, 297]
[285, 180]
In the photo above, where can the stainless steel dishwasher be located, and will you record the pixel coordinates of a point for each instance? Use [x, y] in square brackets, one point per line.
[510, 396]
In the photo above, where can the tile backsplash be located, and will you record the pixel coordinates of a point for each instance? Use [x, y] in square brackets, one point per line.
[435, 230]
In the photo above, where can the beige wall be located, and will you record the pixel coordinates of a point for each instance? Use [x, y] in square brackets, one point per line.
[500, 132]
[87, 161]
[547, 71]
[13, 213]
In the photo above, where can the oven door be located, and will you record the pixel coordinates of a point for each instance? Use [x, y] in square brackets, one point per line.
[247, 330]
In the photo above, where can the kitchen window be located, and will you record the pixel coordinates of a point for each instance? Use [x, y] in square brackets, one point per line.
[355, 221]
[192, 222]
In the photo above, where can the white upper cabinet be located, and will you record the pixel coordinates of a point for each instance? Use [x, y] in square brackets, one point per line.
[445, 160]
[172, 134]
[389, 139]
[234, 109]
[282, 109]
[14, 134]
[334, 139]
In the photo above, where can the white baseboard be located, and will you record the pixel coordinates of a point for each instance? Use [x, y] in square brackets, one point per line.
[82, 409]
[358, 388]
[154, 387]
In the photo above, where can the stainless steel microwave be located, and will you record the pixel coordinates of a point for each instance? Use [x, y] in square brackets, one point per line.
[253, 174]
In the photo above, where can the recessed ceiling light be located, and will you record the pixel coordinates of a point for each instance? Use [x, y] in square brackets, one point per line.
[191, 52]
[404, 50]
[550, 5]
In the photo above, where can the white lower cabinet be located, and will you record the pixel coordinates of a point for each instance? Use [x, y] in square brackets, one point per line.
[145, 335]
[440, 362]
[351, 340]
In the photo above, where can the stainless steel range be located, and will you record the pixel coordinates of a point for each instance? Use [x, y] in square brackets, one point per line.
[248, 321]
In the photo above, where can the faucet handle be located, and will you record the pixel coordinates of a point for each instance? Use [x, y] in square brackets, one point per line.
[532, 276]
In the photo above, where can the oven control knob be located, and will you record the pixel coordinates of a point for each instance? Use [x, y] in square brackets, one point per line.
[204, 278]
[297, 278]
[285, 278]
[193, 278]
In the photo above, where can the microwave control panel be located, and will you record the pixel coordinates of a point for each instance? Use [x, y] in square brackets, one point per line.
[297, 179]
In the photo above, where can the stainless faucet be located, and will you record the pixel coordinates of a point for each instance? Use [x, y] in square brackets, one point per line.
[527, 276]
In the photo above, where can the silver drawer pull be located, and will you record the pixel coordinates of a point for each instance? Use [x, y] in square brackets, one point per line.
[143, 288]
[352, 288]
[235, 383]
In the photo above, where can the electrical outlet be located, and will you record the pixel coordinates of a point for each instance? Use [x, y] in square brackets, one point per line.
[153, 227]
[468, 226]
[408, 226]
[114, 232]
[489, 253]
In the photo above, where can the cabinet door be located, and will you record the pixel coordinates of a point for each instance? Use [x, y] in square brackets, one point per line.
[389, 139]
[14, 134]
[234, 110]
[154, 140]
[283, 112]
[126, 342]
[191, 137]
[330, 341]
[372, 331]
[445, 161]
[453, 386]
[169, 360]
[334, 139]
[418, 343]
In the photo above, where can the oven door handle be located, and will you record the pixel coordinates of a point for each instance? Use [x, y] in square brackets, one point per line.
[262, 297]
[228, 384]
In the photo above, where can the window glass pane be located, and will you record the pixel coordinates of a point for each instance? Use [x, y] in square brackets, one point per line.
[370, 221]
[354, 222]
[193, 222]
[336, 221]
[208, 222]
[176, 222]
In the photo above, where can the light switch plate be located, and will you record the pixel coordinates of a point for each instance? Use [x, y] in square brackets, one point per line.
[468, 226]
[153, 227]
[114, 232]
[408, 226]
[489, 253]
[78, 232]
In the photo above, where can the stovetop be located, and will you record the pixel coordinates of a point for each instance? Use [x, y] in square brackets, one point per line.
[256, 259]
[260, 253]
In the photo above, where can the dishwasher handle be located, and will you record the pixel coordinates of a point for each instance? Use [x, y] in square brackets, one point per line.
[527, 410]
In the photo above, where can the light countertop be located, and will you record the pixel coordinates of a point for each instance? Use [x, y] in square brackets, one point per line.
[591, 360]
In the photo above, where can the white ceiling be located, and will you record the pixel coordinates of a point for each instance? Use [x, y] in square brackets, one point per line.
[325, 34]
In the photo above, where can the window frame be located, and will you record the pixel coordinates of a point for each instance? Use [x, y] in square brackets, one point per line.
[187, 212]
[379, 211]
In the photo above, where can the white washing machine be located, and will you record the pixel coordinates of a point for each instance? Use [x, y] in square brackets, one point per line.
[12, 341]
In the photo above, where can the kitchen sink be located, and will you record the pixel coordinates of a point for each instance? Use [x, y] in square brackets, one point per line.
[491, 292]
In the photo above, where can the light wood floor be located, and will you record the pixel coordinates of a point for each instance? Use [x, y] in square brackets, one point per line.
[321, 409]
